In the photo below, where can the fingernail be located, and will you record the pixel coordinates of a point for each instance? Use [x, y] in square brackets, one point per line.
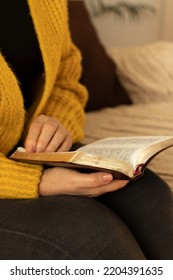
[29, 148]
[107, 177]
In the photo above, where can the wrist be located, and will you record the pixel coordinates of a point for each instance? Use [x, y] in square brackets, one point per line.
[43, 185]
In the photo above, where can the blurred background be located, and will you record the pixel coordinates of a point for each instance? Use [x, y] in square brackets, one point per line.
[131, 22]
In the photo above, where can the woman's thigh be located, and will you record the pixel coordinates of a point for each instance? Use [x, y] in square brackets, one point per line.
[63, 227]
[146, 206]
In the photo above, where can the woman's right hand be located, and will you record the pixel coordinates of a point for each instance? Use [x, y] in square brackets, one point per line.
[64, 181]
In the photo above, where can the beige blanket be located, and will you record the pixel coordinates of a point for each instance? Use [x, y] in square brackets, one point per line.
[138, 119]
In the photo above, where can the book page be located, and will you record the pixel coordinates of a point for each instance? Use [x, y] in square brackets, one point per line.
[146, 153]
[76, 159]
[120, 148]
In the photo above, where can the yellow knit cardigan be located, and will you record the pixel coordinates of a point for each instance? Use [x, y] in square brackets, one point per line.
[57, 94]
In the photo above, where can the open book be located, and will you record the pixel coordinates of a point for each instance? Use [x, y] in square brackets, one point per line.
[124, 157]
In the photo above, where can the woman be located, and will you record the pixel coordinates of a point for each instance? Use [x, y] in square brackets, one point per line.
[76, 216]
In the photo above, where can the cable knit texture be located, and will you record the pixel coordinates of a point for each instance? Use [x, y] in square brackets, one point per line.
[57, 94]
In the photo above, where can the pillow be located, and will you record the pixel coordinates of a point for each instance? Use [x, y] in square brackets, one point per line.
[98, 74]
[146, 72]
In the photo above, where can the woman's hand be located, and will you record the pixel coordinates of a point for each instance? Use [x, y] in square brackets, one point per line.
[63, 181]
[46, 134]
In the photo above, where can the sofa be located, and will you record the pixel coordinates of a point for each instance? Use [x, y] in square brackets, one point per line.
[130, 89]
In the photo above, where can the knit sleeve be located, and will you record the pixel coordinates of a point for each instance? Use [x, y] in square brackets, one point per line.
[18, 180]
[68, 96]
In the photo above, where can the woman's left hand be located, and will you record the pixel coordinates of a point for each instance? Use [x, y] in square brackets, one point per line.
[46, 134]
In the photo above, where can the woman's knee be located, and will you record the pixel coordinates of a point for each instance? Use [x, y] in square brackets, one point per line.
[71, 227]
[149, 186]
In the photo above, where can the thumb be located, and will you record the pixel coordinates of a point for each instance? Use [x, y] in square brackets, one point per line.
[94, 179]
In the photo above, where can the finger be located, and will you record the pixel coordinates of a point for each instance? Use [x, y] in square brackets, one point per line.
[33, 135]
[110, 187]
[98, 183]
[49, 131]
[57, 141]
[92, 180]
[66, 144]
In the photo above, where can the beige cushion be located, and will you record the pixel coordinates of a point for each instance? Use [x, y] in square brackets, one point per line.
[138, 119]
[146, 72]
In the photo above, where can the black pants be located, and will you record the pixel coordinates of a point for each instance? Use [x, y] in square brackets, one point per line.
[132, 223]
